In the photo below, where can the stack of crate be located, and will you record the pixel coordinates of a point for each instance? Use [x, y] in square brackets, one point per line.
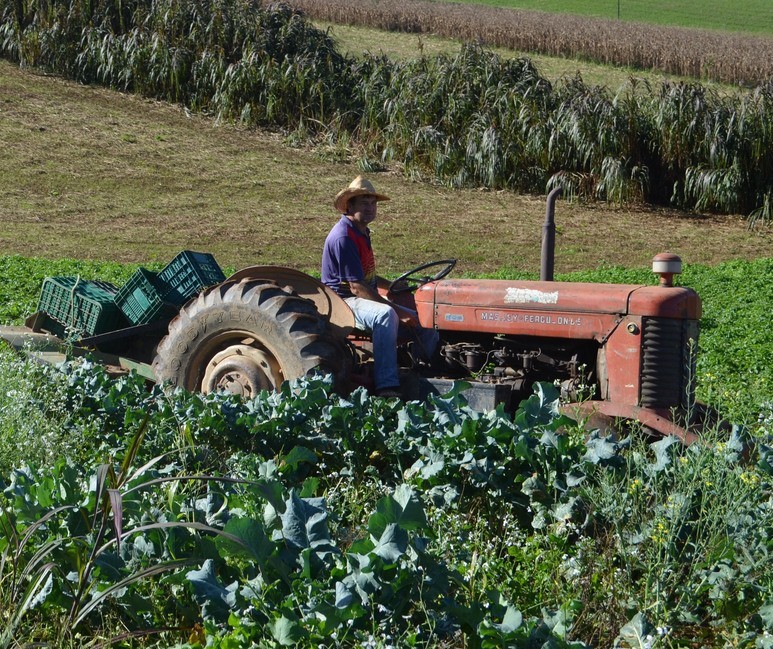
[79, 308]
[150, 296]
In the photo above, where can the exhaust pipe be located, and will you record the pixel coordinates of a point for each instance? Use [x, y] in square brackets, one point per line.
[547, 259]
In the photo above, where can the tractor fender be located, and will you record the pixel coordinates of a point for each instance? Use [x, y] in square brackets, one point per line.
[329, 304]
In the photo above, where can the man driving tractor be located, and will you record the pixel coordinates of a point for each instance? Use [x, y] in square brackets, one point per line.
[349, 268]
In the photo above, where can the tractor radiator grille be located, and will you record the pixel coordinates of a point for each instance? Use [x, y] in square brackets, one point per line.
[668, 362]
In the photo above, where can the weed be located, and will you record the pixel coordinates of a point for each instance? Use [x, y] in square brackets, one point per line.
[35, 413]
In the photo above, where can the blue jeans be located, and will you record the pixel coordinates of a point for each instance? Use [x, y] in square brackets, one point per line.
[382, 321]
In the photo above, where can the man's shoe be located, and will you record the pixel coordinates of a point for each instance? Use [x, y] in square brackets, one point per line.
[389, 393]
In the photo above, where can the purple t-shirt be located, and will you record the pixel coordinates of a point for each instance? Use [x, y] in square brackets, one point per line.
[347, 257]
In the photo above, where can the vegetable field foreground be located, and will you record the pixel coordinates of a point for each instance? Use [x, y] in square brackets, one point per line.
[134, 517]
[305, 519]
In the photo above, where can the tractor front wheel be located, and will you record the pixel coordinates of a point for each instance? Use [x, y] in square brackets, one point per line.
[245, 337]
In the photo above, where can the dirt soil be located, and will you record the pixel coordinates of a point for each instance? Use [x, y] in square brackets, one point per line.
[94, 174]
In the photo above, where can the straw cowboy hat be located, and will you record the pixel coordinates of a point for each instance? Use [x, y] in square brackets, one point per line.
[359, 187]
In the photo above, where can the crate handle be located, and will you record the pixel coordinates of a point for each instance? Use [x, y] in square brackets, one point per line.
[72, 300]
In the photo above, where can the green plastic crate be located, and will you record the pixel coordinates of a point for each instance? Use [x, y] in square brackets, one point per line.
[82, 307]
[143, 298]
[188, 273]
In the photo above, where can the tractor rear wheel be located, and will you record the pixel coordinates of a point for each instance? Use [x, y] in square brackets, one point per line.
[245, 337]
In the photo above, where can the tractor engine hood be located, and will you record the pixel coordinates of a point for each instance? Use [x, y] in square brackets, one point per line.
[562, 297]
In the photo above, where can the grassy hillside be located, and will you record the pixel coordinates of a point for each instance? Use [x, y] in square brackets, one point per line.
[753, 16]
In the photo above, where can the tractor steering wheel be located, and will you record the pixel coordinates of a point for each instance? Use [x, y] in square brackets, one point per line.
[407, 282]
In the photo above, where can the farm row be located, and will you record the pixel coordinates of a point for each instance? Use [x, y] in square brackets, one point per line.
[702, 54]
[469, 120]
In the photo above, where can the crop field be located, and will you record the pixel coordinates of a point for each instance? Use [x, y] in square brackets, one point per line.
[504, 126]
[754, 16]
[732, 58]
[357, 41]
[131, 180]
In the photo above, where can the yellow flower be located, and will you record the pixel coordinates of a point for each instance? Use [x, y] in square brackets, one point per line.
[635, 486]
[659, 533]
[750, 478]
[198, 636]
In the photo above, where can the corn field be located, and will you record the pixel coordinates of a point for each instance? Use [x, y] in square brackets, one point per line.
[473, 119]
[701, 54]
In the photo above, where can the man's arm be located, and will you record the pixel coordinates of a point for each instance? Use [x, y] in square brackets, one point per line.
[367, 292]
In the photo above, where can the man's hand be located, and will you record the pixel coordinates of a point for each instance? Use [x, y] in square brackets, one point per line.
[365, 291]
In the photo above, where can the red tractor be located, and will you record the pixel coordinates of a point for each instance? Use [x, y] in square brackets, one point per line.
[617, 351]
